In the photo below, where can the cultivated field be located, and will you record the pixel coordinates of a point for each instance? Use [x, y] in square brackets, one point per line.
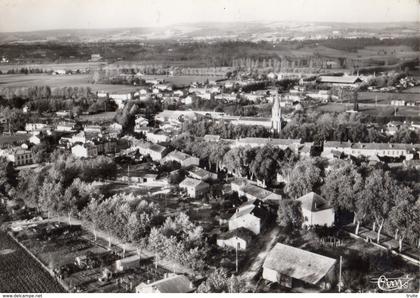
[371, 109]
[20, 273]
[98, 118]
[79, 80]
[85, 80]
[387, 97]
[57, 252]
[53, 66]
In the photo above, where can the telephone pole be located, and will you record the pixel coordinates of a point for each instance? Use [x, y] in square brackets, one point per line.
[340, 283]
[236, 252]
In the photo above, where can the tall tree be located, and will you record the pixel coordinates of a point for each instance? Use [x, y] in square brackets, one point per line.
[289, 214]
[379, 196]
[343, 186]
[305, 177]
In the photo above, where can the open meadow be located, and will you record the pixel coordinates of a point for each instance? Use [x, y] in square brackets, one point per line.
[78, 80]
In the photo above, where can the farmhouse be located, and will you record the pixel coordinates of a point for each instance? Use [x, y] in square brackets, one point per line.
[127, 263]
[252, 121]
[316, 210]
[212, 138]
[292, 144]
[34, 126]
[18, 156]
[251, 217]
[201, 174]
[155, 151]
[185, 160]
[341, 81]
[172, 283]
[253, 192]
[371, 150]
[85, 150]
[175, 117]
[156, 136]
[65, 126]
[290, 267]
[240, 238]
[194, 187]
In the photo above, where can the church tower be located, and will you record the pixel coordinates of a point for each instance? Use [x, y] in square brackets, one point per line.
[276, 115]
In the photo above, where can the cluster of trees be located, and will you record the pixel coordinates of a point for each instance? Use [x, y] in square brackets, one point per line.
[118, 76]
[180, 240]
[14, 117]
[375, 197]
[64, 186]
[219, 282]
[373, 194]
[341, 127]
[261, 163]
[128, 217]
[45, 99]
[40, 92]
[8, 178]
[226, 130]
[127, 115]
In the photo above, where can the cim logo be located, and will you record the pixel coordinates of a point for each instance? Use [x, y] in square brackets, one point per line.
[392, 284]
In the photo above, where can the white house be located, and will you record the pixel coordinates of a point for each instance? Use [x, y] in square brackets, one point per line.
[316, 210]
[251, 217]
[127, 263]
[85, 150]
[34, 126]
[155, 151]
[35, 139]
[172, 283]
[184, 159]
[18, 156]
[157, 136]
[194, 187]
[240, 238]
[65, 126]
[288, 265]
[371, 150]
[201, 174]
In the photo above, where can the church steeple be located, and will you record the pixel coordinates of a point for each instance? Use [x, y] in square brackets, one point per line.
[276, 115]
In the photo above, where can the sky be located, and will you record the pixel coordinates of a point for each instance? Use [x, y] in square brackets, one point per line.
[32, 15]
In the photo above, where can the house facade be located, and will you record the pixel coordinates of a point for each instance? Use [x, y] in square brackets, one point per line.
[291, 266]
[316, 210]
[195, 188]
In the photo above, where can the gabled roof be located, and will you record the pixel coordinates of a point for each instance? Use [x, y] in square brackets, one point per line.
[178, 155]
[255, 191]
[171, 284]
[202, 173]
[241, 233]
[211, 138]
[258, 211]
[190, 182]
[342, 80]
[268, 141]
[298, 263]
[313, 202]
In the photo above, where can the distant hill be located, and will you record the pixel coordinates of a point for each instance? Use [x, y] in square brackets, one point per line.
[250, 31]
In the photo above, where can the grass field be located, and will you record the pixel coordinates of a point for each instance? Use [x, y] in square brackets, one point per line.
[53, 66]
[97, 118]
[20, 273]
[387, 97]
[371, 109]
[80, 80]
[85, 80]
